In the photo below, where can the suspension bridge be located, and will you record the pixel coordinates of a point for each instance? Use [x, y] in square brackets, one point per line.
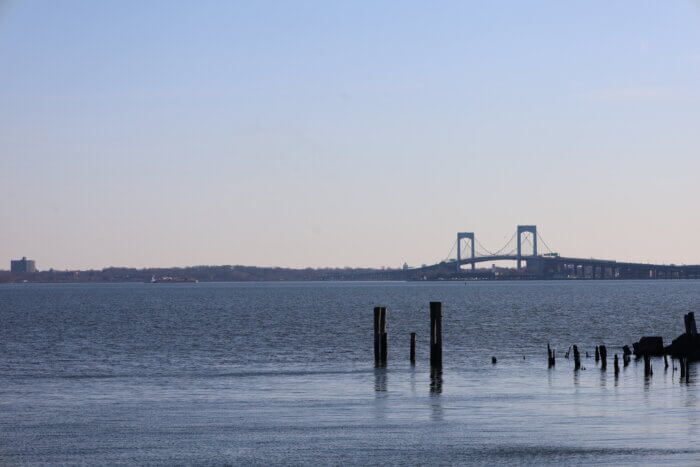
[522, 248]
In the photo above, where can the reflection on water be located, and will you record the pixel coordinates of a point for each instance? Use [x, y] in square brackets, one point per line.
[380, 380]
[436, 381]
[437, 414]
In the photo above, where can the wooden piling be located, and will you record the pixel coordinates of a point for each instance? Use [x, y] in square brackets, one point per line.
[687, 365]
[413, 348]
[377, 336]
[577, 359]
[647, 365]
[380, 336]
[690, 327]
[597, 354]
[665, 362]
[616, 365]
[436, 334]
[550, 356]
[385, 338]
[603, 357]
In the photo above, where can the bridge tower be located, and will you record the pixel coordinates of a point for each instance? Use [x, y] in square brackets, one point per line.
[525, 229]
[460, 237]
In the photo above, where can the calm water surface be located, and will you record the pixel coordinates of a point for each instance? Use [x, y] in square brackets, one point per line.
[282, 373]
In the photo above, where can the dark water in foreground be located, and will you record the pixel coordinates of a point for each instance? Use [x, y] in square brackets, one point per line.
[283, 374]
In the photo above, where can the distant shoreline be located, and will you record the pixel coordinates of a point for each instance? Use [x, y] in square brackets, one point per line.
[440, 272]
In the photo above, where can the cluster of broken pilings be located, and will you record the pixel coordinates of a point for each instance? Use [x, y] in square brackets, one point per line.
[685, 348]
[601, 355]
[381, 341]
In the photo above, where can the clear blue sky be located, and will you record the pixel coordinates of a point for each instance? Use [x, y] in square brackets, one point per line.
[321, 133]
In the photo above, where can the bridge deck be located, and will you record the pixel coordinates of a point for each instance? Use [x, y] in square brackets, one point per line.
[581, 261]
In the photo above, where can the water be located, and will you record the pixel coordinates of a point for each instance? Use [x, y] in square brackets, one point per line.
[282, 373]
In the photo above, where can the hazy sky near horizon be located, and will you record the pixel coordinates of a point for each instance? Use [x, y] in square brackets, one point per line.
[317, 133]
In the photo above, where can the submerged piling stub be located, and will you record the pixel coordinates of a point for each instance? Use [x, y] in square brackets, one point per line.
[690, 327]
[413, 348]
[550, 356]
[616, 366]
[597, 354]
[603, 357]
[380, 336]
[626, 352]
[647, 365]
[577, 359]
[436, 334]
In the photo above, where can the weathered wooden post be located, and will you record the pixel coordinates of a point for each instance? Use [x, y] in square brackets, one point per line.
[413, 348]
[550, 356]
[687, 366]
[690, 327]
[377, 336]
[665, 362]
[603, 357]
[597, 354]
[380, 336]
[647, 365]
[577, 359]
[436, 334]
[385, 346]
[616, 365]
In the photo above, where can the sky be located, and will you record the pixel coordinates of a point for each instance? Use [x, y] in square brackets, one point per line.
[364, 133]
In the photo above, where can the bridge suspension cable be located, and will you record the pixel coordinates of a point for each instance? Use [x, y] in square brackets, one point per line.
[502, 249]
[544, 243]
[484, 248]
[451, 250]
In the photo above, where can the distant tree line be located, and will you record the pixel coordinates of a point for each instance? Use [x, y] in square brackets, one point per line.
[223, 274]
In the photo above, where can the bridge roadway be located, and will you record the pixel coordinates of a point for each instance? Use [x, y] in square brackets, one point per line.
[594, 268]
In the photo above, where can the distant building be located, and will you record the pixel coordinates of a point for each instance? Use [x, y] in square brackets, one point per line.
[19, 266]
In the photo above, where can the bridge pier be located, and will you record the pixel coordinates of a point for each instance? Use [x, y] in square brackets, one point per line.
[526, 229]
[469, 236]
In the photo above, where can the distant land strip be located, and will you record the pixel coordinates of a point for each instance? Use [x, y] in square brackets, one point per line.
[227, 274]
